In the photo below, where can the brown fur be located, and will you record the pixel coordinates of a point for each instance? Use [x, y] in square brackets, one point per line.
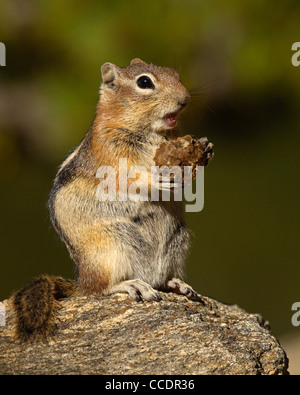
[35, 306]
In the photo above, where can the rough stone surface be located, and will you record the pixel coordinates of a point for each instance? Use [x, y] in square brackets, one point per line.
[115, 335]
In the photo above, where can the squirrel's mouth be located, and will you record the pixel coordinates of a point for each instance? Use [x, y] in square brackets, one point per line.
[170, 119]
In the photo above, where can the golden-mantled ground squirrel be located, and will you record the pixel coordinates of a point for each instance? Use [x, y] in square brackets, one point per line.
[136, 247]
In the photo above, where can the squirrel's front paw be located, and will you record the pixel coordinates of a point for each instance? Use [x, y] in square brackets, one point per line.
[207, 149]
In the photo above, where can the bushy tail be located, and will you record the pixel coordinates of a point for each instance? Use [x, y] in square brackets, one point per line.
[35, 306]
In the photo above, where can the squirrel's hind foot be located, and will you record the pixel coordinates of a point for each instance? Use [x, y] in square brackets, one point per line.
[137, 289]
[178, 286]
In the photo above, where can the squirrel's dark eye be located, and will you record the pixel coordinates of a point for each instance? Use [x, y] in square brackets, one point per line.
[144, 82]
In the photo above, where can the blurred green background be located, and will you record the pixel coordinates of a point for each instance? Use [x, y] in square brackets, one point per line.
[236, 57]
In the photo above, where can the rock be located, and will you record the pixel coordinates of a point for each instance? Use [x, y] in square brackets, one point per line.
[115, 335]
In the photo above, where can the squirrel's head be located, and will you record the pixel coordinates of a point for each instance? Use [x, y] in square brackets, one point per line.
[142, 95]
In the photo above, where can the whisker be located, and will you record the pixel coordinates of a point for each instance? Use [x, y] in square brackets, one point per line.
[203, 88]
[202, 101]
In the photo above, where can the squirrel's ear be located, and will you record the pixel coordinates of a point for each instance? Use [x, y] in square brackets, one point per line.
[135, 61]
[109, 72]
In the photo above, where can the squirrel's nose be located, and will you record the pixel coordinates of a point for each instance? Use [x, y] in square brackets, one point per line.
[184, 101]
